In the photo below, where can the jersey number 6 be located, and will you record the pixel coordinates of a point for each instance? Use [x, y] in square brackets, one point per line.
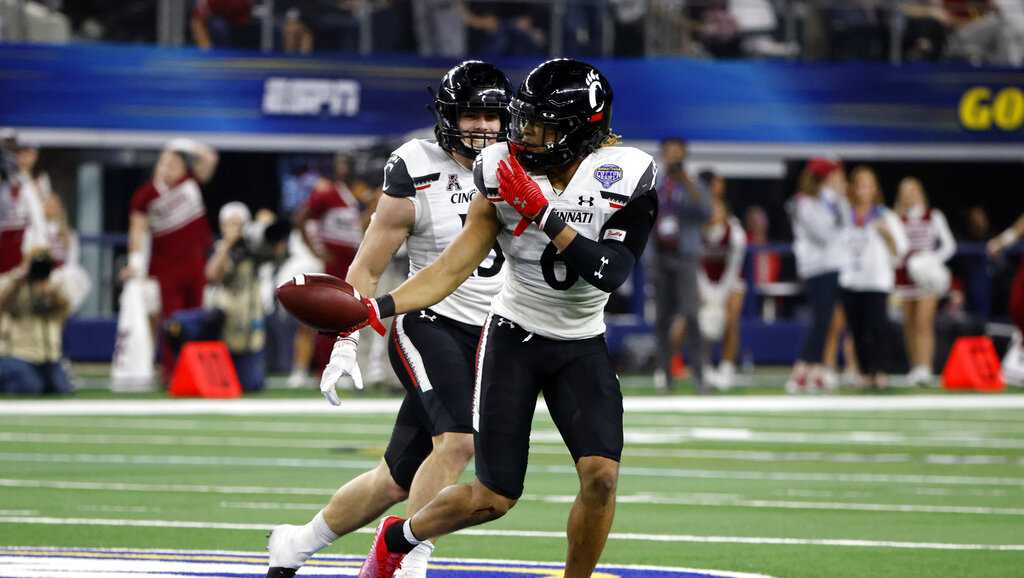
[548, 259]
[499, 258]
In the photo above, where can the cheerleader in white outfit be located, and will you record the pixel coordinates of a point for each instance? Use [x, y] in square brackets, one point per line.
[922, 278]
[722, 288]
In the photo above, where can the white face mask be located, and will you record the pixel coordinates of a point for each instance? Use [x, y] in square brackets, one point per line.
[916, 212]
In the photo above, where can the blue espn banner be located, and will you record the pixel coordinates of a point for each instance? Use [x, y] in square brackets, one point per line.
[258, 100]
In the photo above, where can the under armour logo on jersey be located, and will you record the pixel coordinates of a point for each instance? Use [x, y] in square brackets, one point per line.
[453, 183]
[588, 201]
[502, 321]
[598, 273]
[427, 316]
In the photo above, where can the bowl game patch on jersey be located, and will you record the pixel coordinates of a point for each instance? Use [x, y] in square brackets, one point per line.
[608, 175]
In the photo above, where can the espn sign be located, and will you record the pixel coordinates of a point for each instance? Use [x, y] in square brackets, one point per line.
[310, 97]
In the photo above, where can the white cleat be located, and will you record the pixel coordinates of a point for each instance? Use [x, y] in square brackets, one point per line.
[284, 556]
[414, 565]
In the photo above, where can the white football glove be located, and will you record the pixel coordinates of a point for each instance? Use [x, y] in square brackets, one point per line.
[343, 362]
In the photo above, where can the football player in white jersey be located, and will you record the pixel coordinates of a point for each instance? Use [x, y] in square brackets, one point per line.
[428, 187]
[572, 215]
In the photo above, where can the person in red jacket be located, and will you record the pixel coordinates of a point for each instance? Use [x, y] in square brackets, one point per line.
[170, 208]
[331, 225]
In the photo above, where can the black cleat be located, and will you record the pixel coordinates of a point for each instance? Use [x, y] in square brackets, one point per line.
[279, 572]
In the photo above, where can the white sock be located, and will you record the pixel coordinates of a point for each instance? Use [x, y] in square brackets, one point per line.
[291, 546]
[314, 536]
[407, 532]
[324, 534]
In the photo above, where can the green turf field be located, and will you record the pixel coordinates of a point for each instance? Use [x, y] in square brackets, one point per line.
[790, 494]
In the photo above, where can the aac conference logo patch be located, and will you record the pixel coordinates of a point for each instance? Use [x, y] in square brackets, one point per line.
[608, 175]
[34, 562]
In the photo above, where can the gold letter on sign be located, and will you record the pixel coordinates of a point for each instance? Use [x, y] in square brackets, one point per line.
[975, 113]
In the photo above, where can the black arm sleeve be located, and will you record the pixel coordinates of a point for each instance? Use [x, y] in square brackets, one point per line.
[397, 182]
[606, 264]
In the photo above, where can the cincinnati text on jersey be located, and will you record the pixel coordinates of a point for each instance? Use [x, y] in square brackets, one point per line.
[577, 216]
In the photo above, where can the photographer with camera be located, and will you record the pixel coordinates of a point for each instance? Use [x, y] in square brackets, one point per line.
[32, 315]
[238, 295]
[234, 272]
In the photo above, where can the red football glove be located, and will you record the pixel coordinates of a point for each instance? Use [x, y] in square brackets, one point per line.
[372, 318]
[518, 189]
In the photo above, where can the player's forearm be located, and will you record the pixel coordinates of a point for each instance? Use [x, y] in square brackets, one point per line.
[429, 286]
[603, 265]
[363, 280]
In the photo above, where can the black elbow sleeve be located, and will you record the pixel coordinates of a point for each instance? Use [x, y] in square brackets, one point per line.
[603, 265]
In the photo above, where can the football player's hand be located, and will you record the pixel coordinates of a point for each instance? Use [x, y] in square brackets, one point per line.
[343, 362]
[372, 318]
[519, 190]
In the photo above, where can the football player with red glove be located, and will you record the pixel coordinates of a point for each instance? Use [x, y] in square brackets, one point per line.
[593, 206]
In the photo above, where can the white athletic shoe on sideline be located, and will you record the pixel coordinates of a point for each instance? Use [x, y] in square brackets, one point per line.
[298, 379]
[284, 555]
[920, 376]
[414, 565]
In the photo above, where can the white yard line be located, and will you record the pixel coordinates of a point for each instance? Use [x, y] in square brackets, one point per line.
[702, 499]
[632, 436]
[768, 422]
[828, 477]
[753, 404]
[623, 536]
[704, 502]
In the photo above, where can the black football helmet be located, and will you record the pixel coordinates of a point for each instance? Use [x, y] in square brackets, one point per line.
[570, 103]
[472, 86]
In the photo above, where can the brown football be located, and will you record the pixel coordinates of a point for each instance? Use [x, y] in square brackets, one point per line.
[322, 302]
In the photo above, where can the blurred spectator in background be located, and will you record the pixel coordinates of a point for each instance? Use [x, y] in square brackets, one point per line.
[22, 224]
[582, 29]
[223, 23]
[995, 247]
[973, 269]
[766, 266]
[27, 158]
[925, 31]
[684, 207]
[874, 243]
[986, 31]
[62, 243]
[239, 292]
[337, 219]
[722, 289]
[714, 182]
[629, 19]
[857, 29]
[440, 27]
[716, 28]
[816, 215]
[506, 28]
[922, 278]
[113, 20]
[170, 208]
[32, 314]
[296, 36]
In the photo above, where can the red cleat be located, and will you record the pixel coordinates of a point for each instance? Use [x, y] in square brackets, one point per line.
[381, 563]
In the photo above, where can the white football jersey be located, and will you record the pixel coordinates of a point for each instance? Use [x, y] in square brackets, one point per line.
[441, 190]
[540, 292]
